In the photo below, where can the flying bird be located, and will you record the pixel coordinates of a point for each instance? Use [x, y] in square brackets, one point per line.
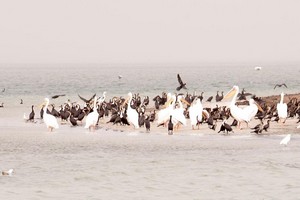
[182, 85]
[59, 95]
[87, 100]
[279, 85]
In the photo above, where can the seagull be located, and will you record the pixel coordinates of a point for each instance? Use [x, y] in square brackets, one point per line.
[120, 76]
[279, 85]
[182, 85]
[8, 172]
[285, 140]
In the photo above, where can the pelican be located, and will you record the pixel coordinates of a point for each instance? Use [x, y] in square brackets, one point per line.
[177, 113]
[50, 120]
[132, 115]
[285, 140]
[237, 113]
[282, 109]
[102, 99]
[252, 109]
[195, 112]
[92, 118]
[164, 114]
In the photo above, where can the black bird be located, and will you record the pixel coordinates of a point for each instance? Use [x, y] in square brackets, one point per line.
[147, 123]
[31, 115]
[73, 120]
[219, 97]
[59, 95]
[141, 119]
[266, 126]
[21, 101]
[279, 85]
[182, 85]
[209, 99]
[170, 126]
[201, 96]
[225, 127]
[87, 100]
[243, 95]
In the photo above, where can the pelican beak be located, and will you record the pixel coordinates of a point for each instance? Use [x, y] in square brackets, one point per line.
[258, 106]
[168, 103]
[184, 101]
[126, 101]
[230, 93]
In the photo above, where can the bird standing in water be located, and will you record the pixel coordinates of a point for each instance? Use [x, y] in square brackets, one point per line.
[170, 126]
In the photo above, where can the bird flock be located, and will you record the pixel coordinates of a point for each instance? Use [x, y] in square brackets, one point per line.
[170, 112]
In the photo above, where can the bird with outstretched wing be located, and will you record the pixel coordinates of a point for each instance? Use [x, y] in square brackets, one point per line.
[87, 100]
[279, 85]
[182, 85]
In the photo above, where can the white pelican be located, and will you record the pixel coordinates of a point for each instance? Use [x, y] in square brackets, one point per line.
[164, 114]
[132, 115]
[178, 113]
[286, 140]
[102, 99]
[195, 112]
[92, 118]
[237, 113]
[252, 109]
[282, 109]
[50, 120]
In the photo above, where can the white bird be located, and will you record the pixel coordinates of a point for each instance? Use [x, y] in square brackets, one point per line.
[102, 99]
[252, 109]
[132, 115]
[285, 140]
[282, 109]
[8, 172]
[164, 114]
[237, 113]
[195, 112]
[49, 120]
[178, 113]
[92, 117]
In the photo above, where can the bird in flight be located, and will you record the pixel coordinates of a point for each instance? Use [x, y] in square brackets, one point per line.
[87, 100]
[279, 85]
[59, 95]
[182, 85]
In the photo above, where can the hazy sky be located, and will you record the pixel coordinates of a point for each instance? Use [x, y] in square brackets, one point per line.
[152, 31]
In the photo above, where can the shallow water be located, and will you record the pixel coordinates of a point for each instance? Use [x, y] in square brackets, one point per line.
[72, 163]
[132, 165]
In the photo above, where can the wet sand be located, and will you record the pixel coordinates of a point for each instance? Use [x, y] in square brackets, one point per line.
[118, 162]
